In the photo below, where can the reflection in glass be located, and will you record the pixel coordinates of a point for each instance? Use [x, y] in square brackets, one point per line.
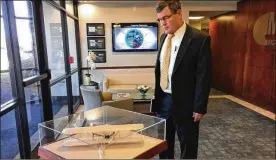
[34, 110]
[75, 88]
[72, 43]
[6, 90]
[21, 8]
[53, 31]
[59, 99]
[28, 54]
[9, 141]
[70, 6]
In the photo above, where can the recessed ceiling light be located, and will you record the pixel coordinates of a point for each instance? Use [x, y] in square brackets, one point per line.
[196, 17]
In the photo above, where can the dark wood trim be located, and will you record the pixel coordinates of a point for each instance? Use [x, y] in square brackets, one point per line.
[153, 151]
[119, 67]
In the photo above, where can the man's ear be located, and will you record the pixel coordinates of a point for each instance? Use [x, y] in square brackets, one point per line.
[179, 12]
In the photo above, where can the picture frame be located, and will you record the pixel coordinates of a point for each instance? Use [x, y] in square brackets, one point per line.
[96, 42]
[100, 56]
[55, 29]
[95, 29]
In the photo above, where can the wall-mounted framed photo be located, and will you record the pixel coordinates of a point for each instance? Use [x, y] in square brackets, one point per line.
[57, 43]
[95, 29]
[96, 42]
[55, 29]
[100, 56]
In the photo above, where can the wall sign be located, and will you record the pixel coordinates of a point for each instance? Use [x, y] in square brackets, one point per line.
[264, 30]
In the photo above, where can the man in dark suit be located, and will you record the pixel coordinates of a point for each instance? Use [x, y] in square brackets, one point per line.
[182, 79]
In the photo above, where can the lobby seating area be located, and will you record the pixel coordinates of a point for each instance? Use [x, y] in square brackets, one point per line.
[125, 82]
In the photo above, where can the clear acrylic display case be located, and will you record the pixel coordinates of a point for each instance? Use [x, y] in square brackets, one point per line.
[104, 132]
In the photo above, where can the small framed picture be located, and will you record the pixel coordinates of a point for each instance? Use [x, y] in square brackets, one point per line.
[95, 29]
[96, 42]
[55, 29]
[57, 43]
[100, 56]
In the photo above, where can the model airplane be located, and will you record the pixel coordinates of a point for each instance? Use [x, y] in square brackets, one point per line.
[102, 134]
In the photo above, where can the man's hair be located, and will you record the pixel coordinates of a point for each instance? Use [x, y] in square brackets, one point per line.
[173, 5]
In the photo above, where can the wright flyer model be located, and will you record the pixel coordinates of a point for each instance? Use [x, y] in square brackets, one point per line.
[102, 133]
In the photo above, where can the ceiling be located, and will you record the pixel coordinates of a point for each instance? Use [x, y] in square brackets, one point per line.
[206, 14]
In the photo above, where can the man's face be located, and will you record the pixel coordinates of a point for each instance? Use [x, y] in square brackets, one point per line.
[169, 21]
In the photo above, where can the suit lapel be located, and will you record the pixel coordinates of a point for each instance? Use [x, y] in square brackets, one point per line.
[163, 37]
[183, 47]
[157, 65]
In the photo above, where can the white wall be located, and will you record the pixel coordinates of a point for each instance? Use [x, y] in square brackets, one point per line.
[196, 24]
[112, 13]
[125, 11]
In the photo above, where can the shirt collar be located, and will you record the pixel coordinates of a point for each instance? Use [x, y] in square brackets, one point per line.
[180, 32]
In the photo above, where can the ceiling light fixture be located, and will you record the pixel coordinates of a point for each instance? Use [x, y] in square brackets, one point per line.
[196, 17]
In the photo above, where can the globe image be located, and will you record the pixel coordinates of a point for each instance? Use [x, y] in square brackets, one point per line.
[134, 38]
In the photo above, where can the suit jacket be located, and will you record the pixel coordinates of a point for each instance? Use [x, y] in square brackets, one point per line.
[191, 78]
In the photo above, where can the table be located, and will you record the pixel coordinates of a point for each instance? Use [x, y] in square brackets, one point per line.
[54, 136]
[136, 96]
[148, 149]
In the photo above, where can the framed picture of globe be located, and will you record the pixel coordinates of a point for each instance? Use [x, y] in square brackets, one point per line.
[134, 37]
[95, 29]
[96, 42]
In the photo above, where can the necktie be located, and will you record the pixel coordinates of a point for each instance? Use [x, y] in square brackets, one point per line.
[166, 63]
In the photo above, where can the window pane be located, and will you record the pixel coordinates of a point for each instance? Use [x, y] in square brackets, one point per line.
[21, 8]
[1, 9]
[70, 6]
[72, 43]
[27, 47]
[6, 90]
[58, 2]
[59, 99]
[54, 40]
[34, 111]
[75, 88]
[9, 140]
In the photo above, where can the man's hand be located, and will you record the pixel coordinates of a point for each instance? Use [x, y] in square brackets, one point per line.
[197, 116]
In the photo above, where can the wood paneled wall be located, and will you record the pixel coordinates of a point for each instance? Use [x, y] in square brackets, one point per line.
[241, 66]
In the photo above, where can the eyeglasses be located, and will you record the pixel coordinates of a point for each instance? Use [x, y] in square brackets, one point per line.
[165, 18]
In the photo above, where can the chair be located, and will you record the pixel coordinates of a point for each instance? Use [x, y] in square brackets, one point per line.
[98, 76]
[91, 97]
[94, 98]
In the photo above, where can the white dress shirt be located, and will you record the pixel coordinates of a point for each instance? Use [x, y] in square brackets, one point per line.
[176, 41]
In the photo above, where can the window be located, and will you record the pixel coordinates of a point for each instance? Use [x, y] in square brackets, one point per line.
[26, 38]
[72, 43]
[6, 90]
[9, 140]
[34, 110]
[54, 41]
[59, 99]
[70, 6]
[75, 87]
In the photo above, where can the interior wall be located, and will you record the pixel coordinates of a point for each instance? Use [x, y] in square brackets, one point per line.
[241, 65]
[196, 24]
[127, 11]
